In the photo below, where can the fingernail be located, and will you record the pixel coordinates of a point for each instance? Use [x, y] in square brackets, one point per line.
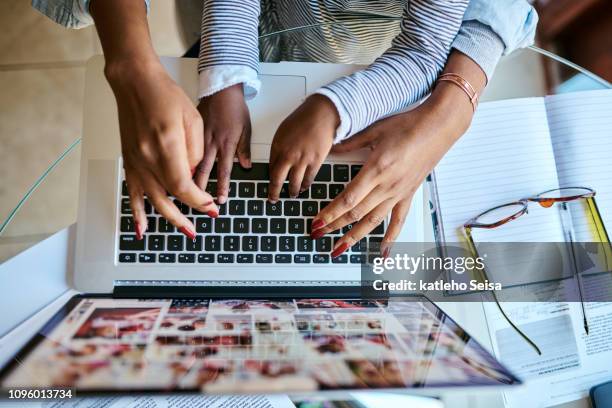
[221, 199]
[139, 231]
[212, 214]
[385, 252]
[248, 163]
[272, 201]
[188, 232]
[316, 224]
[316, 234]
[338, 251]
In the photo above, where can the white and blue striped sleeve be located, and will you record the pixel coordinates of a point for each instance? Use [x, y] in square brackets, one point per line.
[404, 73]
[229, 51]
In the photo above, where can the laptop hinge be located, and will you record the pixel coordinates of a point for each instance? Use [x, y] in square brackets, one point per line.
[154, 290]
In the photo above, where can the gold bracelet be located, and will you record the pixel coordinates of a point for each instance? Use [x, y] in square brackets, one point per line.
[464, 85]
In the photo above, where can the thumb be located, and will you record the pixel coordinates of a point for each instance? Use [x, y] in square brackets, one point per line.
[360, 140]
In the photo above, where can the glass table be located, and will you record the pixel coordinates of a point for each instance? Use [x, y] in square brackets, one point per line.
[50, 204]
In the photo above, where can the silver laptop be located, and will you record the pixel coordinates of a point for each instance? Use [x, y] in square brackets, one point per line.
[253, 244]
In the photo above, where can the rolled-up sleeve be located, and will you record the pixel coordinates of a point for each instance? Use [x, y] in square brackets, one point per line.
[69, 13]
[491, 29]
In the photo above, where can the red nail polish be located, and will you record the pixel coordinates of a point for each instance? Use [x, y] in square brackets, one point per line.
[317, 234]
[338, 251]
[385, 252]
[189, 233]
[212, 214]
[138, 231]
[316, 224]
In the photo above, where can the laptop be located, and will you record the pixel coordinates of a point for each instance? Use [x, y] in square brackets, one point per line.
[253, 243]
[242, 308]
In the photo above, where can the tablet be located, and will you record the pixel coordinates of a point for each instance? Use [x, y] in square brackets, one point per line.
[229, 346]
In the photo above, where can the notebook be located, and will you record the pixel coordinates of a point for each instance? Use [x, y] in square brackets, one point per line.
[521, 147]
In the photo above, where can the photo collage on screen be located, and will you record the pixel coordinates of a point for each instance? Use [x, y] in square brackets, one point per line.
[233, 346]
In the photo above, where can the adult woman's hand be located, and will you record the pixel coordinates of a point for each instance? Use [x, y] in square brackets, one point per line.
[227, 134]
[161, 130]
[404, 150]
[161, 142]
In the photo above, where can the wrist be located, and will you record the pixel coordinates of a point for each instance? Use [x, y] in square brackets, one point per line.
[126, 71]
[324, 110]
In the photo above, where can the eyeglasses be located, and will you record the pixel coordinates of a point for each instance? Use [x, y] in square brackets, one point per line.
[505, 213]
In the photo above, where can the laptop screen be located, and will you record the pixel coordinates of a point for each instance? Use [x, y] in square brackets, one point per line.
[98, 344]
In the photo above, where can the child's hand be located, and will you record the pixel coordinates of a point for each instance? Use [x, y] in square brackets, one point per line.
[227, 133]
[300, 145]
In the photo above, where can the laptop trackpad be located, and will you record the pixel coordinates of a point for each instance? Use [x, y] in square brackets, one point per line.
[278, 97]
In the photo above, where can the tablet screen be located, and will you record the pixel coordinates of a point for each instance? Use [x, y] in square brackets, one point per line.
[251, 346]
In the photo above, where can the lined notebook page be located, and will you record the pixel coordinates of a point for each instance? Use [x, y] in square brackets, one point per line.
[581, 132]
[506, 155]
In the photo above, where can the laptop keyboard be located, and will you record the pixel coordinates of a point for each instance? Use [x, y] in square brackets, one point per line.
[249, 229]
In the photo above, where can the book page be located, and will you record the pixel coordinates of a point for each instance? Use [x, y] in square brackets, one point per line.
[506, 155]
[581, 132]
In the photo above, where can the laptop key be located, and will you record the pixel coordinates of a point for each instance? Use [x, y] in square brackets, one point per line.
[286, 244]
[212, 243]
[206, 258]
[156, 242]
[203, 225]
[340, 259]
[310, 208]
[232, 189]
[259, 225]
[355, 169]
[164, 225]
[303, 194]
[324, 204]
[249, 243]
[125, 206]
[258, 171]
[225, 258]
[318, 258]
[296, 226]
[236, 207]
[324, 173]
[130, 243]
[245, 258]
[262, 190]
[127, 224]
[186, 258]
[301, 258]
[292, 208]
[361, 246]
[222, 208]
[358, 258]
[379, 230]
[246, 190]
[335, 190]
[347, 228]
[148, 207]
[231, 243]
[278, 226]
[284, 192]
[194, 245]
[263, 258]
[175, 243]
[268, 244]
[182, 207]
[151, 224]
[304, 244]
[167, 258]
[127, 258]
[211, 188]
[323, 244]
[374, 244]
[282, 258]
[255, 207]
[341, 172]
[318, 190]
[222, 225]
[241, 225]
[146, 258]
[124, 189]
[273, 209]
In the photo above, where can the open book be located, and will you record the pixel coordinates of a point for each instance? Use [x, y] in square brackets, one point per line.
[521, 147]
[515, 149]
